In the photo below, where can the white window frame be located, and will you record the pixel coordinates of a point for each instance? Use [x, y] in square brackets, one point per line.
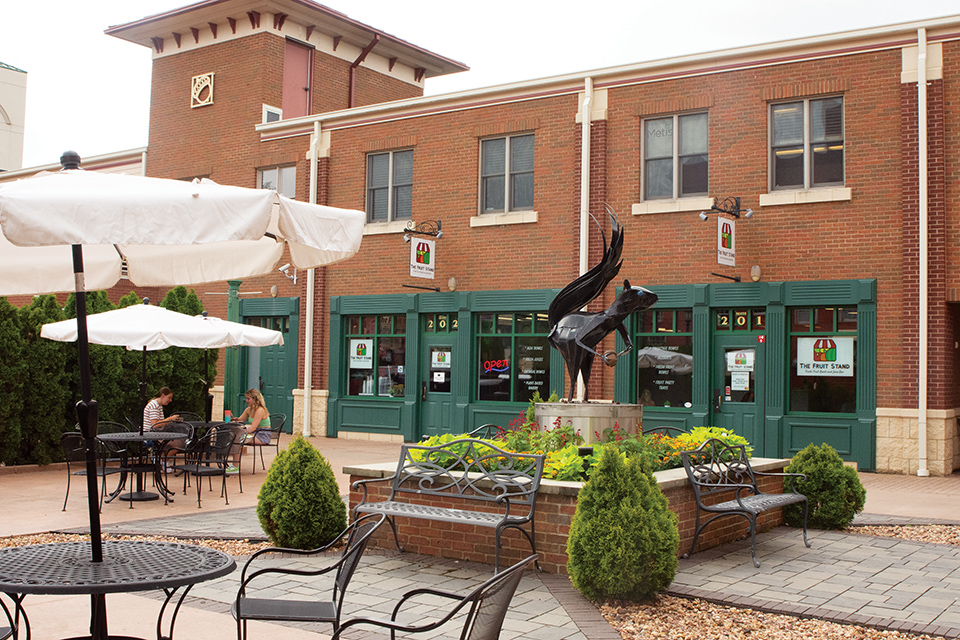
[267, 109]
[286, 180]
[808, 147]
[507, 175]
[391, 187]
[676, 195]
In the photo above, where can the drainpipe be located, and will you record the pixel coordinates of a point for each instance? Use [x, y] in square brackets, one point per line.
[922, 187]
[586, 108]
[311, 284]
[143, 164]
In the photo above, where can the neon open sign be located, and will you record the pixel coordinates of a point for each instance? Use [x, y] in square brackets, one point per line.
[496, 365]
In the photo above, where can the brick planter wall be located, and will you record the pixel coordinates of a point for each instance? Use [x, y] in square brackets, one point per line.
[556, 504]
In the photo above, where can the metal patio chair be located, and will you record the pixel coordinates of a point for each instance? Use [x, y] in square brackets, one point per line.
[75, 454]
[486, 606]
[277, 420]
[325, 611]
[209, 457]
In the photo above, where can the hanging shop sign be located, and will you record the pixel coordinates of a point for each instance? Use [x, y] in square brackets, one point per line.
[361, 354]
[831, 356]
[423, 258]
[726, 242]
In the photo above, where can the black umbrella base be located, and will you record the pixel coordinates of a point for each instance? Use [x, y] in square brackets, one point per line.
[139, 496]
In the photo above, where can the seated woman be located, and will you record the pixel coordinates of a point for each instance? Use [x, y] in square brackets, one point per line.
[256, 417]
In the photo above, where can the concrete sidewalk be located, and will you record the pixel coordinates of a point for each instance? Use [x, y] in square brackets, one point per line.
[844, 577]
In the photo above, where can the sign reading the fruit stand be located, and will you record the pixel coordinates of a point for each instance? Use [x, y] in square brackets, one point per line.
[361, 354]
[726, 243]
[423, 258]
[825, 356]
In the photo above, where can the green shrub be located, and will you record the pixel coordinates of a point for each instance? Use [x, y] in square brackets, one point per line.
[833, 490]
[299, 504]
[623, 538]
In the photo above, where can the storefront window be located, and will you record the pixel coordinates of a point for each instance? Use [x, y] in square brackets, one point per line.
[823, 355]
[664, 346]
[514, 356]
[376, 350]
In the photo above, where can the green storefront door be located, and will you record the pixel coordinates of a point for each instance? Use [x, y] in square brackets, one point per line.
[436, 384]
[737, 381]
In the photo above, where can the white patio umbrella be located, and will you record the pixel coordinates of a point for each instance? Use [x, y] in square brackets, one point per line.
[168, 233]
[146, 327]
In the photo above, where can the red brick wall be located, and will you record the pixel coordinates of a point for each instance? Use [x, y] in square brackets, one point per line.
[553, 516]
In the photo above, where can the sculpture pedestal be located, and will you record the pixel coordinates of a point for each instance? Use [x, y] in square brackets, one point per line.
[590, 419]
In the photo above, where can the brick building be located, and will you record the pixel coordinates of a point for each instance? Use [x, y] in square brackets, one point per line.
[792, 313]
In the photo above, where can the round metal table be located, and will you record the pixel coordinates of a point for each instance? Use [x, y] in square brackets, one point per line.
[139, 494]
[128, 566]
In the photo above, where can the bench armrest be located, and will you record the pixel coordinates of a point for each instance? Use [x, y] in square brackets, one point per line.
[362, 484]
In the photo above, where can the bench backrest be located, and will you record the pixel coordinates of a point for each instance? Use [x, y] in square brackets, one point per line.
[715, 466]
[468, 469]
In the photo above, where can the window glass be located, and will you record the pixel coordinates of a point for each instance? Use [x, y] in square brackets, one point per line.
[665, 358]
[507, 163]
[376, 353]
[283, 180]
[514, 356]
[807, 143]
[675, 166]
[389, 186]
[495, 356]
[823, 361]
[693, 154]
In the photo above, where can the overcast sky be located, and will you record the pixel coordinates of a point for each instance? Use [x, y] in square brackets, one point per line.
[90, 92]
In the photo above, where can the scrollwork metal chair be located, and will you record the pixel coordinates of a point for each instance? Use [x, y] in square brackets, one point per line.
[486, 606]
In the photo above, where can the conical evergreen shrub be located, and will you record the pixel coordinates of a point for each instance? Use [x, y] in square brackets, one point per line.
[299, 505]
[623, 539]
[834, 492]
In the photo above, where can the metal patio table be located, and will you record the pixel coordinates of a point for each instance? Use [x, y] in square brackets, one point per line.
[139, 494]
[128, 566]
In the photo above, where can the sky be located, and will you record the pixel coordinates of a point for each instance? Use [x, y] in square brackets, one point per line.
[90, 92]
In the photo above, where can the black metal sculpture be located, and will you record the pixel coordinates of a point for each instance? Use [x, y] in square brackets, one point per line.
[576, 334]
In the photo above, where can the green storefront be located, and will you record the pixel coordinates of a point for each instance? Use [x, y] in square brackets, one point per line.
[783, 363]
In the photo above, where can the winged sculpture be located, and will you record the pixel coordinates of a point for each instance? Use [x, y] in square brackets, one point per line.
[575, 333]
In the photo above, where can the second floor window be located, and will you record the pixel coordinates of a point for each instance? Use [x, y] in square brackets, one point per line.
[390, 186]
[807, 143]
[283, 180]
[675, 166]
[506, 174]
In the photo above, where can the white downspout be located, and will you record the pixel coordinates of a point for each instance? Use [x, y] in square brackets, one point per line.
[922, 186]
[143, 164]
[585, 109]
[311, 283]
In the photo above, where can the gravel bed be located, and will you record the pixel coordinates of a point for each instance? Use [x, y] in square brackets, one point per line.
[230, 547]
[673, 618]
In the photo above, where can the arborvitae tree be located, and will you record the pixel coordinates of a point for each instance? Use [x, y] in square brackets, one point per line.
[623, 538]
[45, 383]
[187, 374]
[11, 381]
[299, 504]
[834, 492]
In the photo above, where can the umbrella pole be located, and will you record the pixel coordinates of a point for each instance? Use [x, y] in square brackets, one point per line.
[143, 388]
[87, 408]
[207, 396]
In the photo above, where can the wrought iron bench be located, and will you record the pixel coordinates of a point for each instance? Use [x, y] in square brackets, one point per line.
[716, 467]
[469, 471]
